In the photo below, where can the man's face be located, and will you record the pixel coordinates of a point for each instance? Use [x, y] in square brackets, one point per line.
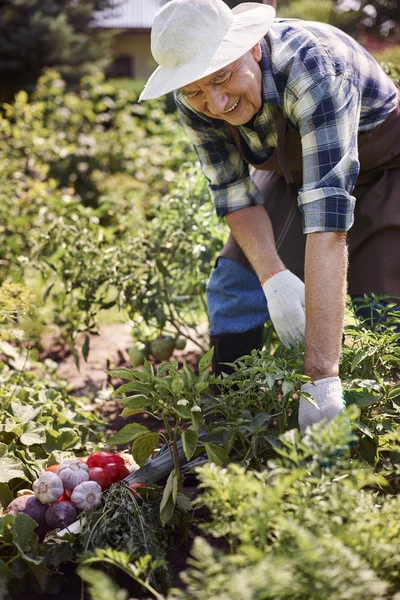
[232, 94]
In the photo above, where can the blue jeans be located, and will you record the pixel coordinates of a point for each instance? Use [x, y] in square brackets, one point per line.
[236, 301]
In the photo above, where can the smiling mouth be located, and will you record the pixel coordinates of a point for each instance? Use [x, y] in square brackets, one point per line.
[232, 108]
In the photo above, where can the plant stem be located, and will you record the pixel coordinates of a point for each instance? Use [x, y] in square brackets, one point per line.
[172, 444]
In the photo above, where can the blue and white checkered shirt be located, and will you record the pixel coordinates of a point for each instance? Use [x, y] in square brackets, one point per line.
[329, 88]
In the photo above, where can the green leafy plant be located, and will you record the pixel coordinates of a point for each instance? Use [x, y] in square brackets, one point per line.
[175, 398]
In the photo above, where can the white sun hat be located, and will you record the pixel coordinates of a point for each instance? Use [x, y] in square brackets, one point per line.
[191, 39]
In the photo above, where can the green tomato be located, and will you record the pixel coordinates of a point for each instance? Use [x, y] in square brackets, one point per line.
[162, 348]
[180, 343]
[136, 356]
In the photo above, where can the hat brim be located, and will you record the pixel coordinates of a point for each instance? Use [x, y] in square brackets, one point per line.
[251, 22]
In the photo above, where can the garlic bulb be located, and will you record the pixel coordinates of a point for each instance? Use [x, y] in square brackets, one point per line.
[86, 495]
[48, 487]
[72, 473]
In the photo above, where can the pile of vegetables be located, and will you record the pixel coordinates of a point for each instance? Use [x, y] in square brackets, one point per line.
[63, 490]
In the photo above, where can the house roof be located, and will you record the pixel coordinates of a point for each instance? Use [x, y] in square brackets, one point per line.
[128, 14]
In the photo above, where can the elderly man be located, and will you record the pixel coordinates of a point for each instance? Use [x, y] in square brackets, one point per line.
[319, 121]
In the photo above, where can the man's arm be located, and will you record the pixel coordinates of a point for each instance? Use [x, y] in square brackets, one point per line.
[326, 283]
[252, 229]
[325, 275]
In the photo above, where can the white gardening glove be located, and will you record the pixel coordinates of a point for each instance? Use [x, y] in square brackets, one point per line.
[328, 395]
[285, 295]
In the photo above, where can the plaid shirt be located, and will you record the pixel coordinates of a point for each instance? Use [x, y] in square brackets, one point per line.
[329, 89]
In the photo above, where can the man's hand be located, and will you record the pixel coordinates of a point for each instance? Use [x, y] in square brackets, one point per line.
[328, 395]
[285, 295]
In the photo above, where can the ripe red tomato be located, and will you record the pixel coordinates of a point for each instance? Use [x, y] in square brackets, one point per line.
[135, 486]
[102, 458]
[65, 497]
[100, 476]
[116, 471]
[53, 468]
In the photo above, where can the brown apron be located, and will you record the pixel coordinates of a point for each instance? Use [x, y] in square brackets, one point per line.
[374, 238]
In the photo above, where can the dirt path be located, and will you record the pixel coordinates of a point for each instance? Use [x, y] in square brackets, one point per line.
[108, 350]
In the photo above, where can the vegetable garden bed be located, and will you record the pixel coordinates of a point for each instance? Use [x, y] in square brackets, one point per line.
[97, 216]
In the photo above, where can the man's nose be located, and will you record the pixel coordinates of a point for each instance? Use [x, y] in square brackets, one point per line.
[216, 101]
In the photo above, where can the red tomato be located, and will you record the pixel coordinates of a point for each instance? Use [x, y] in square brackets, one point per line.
[116, 471]
[100, 476]
[135, 486]
[53, 468]
[64, 498]
[102, 458]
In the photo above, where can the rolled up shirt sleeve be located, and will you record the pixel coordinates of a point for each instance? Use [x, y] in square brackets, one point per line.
[229, 181]
[327, 117]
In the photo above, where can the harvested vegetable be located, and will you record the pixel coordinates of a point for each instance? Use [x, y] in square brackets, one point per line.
[31, 506]
[48, 487]
[100, 476]
[87, 495]
[72, 473]
[60, 515]
[103, 458]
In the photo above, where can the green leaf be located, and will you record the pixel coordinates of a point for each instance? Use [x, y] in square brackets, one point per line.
[394, 392]
[135, 386]
[64, 439]
[11, 468]
[359, 357]
[205, 361]
[5, 495]
[127, 434]
[3, 449]
[23, 530]
[23, 412]
[129, 412]
[144, 446]
[182, 411]
[86, 347]
[307, 396]
[183, 502]
[168, 499]
[365, 430]
[260, 420]
[38, 569]
[148, 368]
[287, 386]
[128, 374]
[197, 421]
[188, 377]
[137, 402]
[368, 450]
[5, 575]
[34, 433]
[189, 442]
[216, 454]
[360, 398]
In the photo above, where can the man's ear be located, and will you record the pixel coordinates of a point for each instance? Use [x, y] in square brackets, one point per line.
[256, 52]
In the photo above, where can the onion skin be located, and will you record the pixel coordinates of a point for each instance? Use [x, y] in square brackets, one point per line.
[60, 515]
[31, 506]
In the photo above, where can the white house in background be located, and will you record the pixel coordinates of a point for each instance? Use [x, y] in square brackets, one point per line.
[133, 20]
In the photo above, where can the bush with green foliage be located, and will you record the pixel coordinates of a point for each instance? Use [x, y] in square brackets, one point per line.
[37, 34]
